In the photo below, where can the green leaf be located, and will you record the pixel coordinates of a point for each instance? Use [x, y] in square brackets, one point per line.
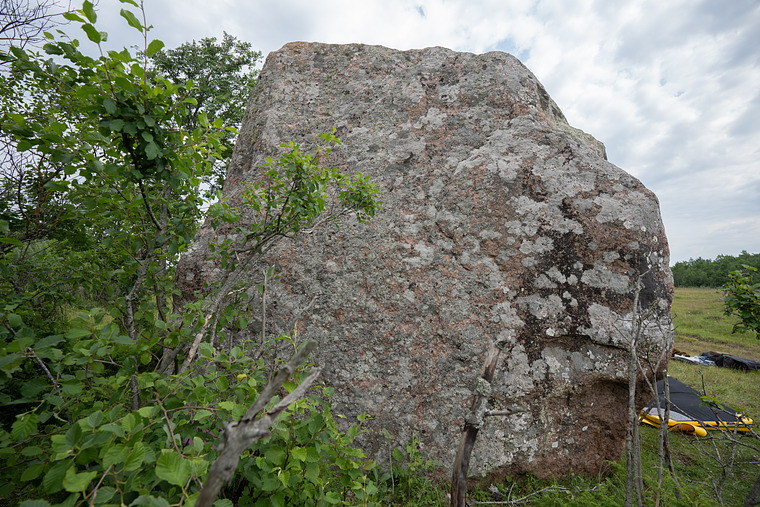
[116, 125]
[48, 341]
[11, 241]
[74, 435]
[34, 387]
[24, 427]
[131, 19]
[115, 455]
[14, 320]
[109, 105]
[122, 339]
[77, 332]
[172, 468]
[104, 494]
[129, 422]
[92, 33]
[113, 428]
[53, 481]
[31, 450]
[135, 458]
[70, 16]
[76, 483]
[284, 477]
[34, 503]
[298, 453]
[32, 472]
[154, 47]
[150, 501]
[152, 151]
[23, 145]
[202, 415]
[269, 483]
[94, 419]
[276, 455]
[89, 11]
[332, 497]
[71, 387]
[312, 472]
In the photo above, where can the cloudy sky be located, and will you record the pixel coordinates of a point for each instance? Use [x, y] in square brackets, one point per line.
[671, 87]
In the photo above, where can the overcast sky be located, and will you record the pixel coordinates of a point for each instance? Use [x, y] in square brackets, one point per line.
[671, 87]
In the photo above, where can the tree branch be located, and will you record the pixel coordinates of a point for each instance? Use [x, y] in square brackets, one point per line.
[238, 436]
[473, 422]
[43, 366]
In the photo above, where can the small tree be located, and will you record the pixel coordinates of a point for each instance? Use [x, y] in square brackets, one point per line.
[223, 75]
[743, 299]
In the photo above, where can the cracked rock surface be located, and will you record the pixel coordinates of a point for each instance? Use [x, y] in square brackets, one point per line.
[500, 223]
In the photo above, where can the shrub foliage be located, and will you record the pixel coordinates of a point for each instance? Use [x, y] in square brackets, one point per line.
[102, 180]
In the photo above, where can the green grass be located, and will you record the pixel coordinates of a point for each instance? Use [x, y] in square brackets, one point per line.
[700, 327]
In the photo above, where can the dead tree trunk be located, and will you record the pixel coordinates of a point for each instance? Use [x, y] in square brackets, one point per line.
[240, 435]
[472, 423]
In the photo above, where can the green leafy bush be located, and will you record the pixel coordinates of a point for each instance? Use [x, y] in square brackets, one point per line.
[97, 410]
[99, 431]
[743, 299]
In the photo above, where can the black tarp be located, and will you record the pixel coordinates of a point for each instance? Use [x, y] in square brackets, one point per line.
[686, 406]
[731, 361]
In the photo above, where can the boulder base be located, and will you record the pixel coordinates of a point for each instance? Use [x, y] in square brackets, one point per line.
[500, 223]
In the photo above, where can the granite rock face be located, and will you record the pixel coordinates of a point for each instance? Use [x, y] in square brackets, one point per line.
[500, 223]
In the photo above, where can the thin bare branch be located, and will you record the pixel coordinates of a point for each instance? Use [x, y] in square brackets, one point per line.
[240, 435]
[43, 366]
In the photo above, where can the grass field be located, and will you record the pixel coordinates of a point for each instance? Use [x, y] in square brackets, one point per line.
[700, 327]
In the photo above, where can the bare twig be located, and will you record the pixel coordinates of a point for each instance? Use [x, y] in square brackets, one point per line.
[505, 411]
[665, 441]
[194, 347]
[94, 492]
[238, 436]
[518, 501]
[169, 425]
[43, 366]
[264, 307]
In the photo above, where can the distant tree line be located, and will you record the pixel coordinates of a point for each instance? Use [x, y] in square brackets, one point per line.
[711, 273]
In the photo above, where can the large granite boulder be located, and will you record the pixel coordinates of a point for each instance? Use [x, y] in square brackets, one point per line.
[500, 223]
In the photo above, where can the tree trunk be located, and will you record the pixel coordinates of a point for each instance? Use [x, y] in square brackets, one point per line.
[473, 423]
